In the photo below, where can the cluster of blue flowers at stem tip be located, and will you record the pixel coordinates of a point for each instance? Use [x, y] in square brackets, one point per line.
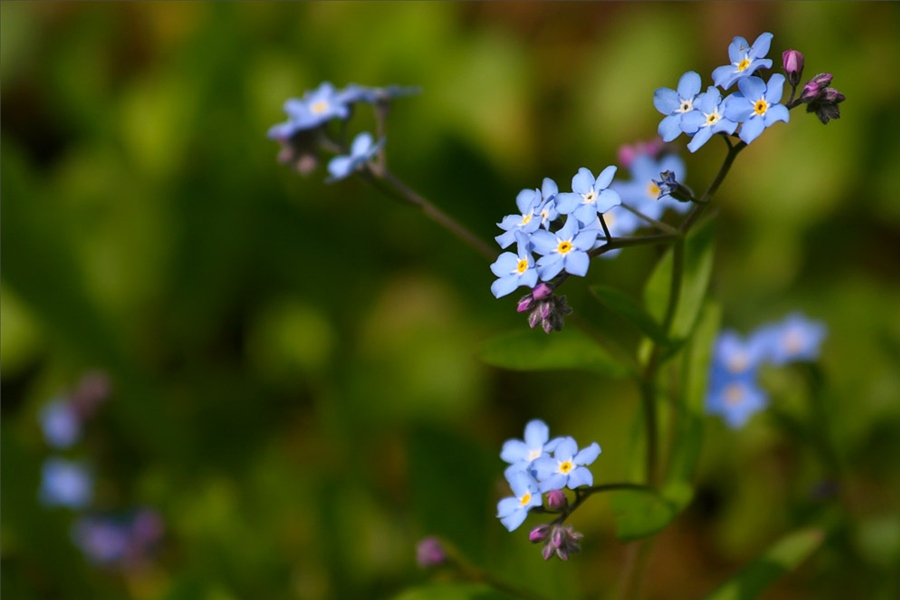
[539, 465]
[734, 392]
[122, 540]
[305, 132]
[756, 105]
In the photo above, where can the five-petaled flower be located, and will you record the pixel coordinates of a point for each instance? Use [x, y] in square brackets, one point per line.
[706, 119]
[736, 400]
[675, 104]
[589, 197]
[566, 468]
[795, 338]
[514, 270]
[315, 108]
[745, 60]
[513, 510]
[520, 454]
[567, 249]
[65, 483]
[362, 150]
[757, 106]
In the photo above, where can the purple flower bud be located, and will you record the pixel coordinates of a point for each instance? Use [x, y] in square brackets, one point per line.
[793, 66]
[534, 319]
[430, 553]
[563, 542]
[548, 551]
[557, 500]
[545, 308]
[539, 533]
[814, 87]
[826, 105]
[525, 304]
[541, 291]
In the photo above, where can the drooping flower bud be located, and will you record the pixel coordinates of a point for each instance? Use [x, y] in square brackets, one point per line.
[668, 186]
[814, 87]
[826, 105]
[539, 533]
[557, 500]
[430, 553]
[793, 66]
[563, 542]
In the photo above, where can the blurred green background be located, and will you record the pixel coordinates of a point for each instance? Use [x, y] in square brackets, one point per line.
[297, 389]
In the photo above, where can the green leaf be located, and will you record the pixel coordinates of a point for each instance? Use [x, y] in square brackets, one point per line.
[783, 557]
[641, 513]
[697, 267]
[629, 308]
[533, 350]
[454, 591]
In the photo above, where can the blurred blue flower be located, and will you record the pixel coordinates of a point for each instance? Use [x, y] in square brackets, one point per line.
[60, 423]
[375, 95]
[528, 202]
[706, 119]
[520, 454]
[514, 270]
[513, 510]
[567, 466]
[675, 104]
[589, 196]
[122, 542]
[314, 109]
[796, 338]
[737, 358]
[756, 106]
[745, 60]
[65, 483]
[564, 250]
[361, 151]
[735, 400]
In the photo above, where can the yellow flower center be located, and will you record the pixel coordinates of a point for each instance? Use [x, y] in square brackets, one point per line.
[565, 467]
[319, 107]
[526, 219]
[533, 454]
[653, 191]
[738, 363]
[522, 266]
[712, 118]
[734, 394]
[564, 247]
[525, 499]
[761, 107]
[742, 66]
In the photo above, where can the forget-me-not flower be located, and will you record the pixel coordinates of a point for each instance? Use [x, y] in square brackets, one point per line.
[528, 201]
[795, 338]
[315, 108]
[757, 106]
[567, 467]
[514, 270]
[362, 150]
[520, 454]
[65, 483]
[565, 250]
[745, 60]
[735, 400]
[675, 104]
[513, 510]
[60, 423]
[706, 119]
[589, 196]
[375, 95]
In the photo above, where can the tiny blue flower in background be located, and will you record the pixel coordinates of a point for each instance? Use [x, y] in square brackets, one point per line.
[564, 250]
[745, 60]
[60, 423]
[620, 221]
[795, 338]
[315, 108]
[521, 454]
[514, 270]
[65, 483]
[118, 541]
[528, 202]
[706, 119]
[361, 151]
[566, 468]
[756, 106]
[374, 95]
[513, 510]
[736, 357]
[642, 193]
[735, 400]
[675, 104]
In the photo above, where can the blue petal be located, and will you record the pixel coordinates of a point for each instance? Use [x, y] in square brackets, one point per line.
[544, 242]
[753, 88]
[691, 122]
[751, 129]
[577, 263]
[580, 476]
[666, 100]
[723, 76]
[508, 506]
[514, 520]
[340, 166]
[605, 177]
[689, 85]
[361, 144]
[566, 448]
[701, 137]
[554, 482]
[778, 112]
[588, 455]
[504, 264]
[737, 48]
[505, 285]
[607, 199]
[549, 188]
[566, 202]
[543, 467]
[513, 451]
[536, 433]
[761, 45]
[550, 266]
[583, 181]
[775, 88]
[669, 128]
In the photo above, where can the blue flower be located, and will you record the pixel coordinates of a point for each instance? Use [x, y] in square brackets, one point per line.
[528, 202]
[315, 108]
[706, 119]
[60, 423]
[736, 400]
[736, 357]
[756, 105]
[589, 196]
[566, 468]
[641, 193]
[564, 250]
[520, 454]
[375, 95]
[745, 60]
[361, 151]
[514, 270]
[675, 104]
[65, 483]
[547, 206]
[795, 338]
[122, 541]
[513, 510]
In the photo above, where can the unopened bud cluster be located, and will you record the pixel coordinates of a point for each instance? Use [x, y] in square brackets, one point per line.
[560, 540]
[544, 308]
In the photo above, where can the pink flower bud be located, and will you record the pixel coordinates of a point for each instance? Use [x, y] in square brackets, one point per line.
[793, 66]
[539, 533]
[557, 500]
[430, 553]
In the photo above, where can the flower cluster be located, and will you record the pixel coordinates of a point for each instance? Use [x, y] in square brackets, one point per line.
[733, 389]
[302, 133]
[539, 465]
[754, 107]
[122, 541]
